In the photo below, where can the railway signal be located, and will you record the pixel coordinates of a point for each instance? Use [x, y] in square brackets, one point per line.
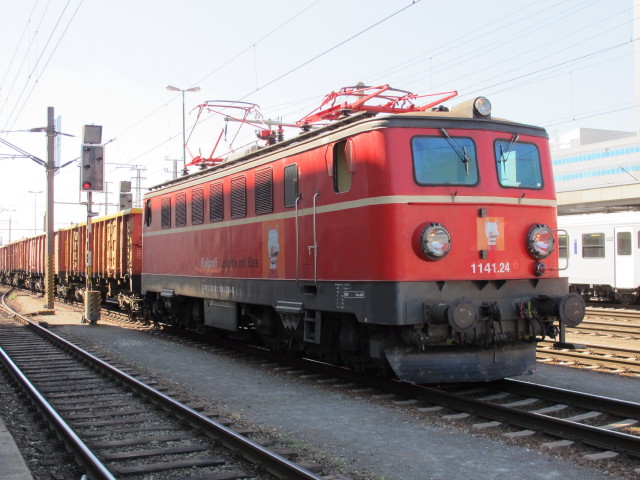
[92, 168]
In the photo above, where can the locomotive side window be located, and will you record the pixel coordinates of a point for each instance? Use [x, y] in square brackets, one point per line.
[216, 202]
[197, 206]
[264, 191]
[623, 243]
[147, 213]
[238, 197]
[563, 250]
[341, 173]
[165, 212]
[444, 161]
[518, 164]
[593, 245]
[290, 185]
[181, 209]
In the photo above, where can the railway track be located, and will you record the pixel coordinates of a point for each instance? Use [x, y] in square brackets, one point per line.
[553, 417]
[589, 355]
[521, 409]
[608, 357]
[598, 323]
[116, 426]
[518, 409]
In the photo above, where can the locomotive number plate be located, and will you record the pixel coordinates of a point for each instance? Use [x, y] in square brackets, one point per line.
[490, 267]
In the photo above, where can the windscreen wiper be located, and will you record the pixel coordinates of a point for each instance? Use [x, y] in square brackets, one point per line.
[505, 152]
[461, 151]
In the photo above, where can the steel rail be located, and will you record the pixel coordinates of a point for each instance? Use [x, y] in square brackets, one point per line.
[254, 452]
[587, 401]
[597, 355]
[556, 427]
[600, 348]
[95, 469]
[623, 329]
[613, 312]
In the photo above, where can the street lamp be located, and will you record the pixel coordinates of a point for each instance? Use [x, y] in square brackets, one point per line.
[35, 211]
[184, 141]
[10, 210]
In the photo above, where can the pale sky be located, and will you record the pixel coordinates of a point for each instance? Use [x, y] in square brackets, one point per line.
[558, 64]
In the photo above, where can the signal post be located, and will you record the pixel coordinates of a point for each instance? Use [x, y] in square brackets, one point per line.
[91, 180]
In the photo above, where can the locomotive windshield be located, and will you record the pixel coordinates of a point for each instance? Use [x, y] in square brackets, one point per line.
[444, 160]
[518, 164]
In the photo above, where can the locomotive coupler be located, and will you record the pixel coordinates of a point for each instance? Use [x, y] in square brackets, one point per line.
[530, 314]
[493, 313]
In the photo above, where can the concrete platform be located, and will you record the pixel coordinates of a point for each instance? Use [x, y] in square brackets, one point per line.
[12, 465]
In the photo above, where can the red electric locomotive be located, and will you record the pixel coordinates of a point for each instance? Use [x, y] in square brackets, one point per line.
[412, 238]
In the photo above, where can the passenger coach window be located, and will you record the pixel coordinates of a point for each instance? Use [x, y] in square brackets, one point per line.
[593, 245]
[563, 251]
[444, 161]
[623, 243]
[165, 212]
[341, 173]
[518, 164]
[290, 185]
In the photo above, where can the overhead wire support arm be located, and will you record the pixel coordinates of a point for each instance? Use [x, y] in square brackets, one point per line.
[24, 153]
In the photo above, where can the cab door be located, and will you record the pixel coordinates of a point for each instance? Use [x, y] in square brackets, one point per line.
[623, 257]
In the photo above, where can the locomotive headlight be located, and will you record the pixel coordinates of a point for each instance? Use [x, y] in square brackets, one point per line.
[540, 241]
[435, 241]
[482, 107]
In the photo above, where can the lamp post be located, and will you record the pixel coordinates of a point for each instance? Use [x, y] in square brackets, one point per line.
[184, 141]
[35, 211]
[10, 210]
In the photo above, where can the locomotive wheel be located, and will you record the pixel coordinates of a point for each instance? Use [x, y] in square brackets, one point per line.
[195, 315]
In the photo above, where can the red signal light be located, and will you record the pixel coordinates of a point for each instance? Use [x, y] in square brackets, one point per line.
[86, 185]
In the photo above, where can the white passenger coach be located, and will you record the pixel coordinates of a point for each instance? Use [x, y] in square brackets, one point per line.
[603, 255]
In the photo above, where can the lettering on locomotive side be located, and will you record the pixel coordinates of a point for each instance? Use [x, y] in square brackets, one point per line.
[209, 263]
[494, 267]
[242, 262]
[354, 294]
[219, 291]
[344, 291]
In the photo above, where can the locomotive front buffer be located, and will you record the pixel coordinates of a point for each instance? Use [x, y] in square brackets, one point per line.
[498, 337]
